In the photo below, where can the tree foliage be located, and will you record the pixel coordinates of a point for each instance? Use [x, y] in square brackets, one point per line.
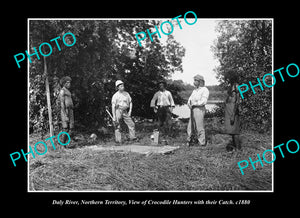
[105, 50]
[244, 50]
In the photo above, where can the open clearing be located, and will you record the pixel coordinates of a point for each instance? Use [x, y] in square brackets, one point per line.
[88, 168]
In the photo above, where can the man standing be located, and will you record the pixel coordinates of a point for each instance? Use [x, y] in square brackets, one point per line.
[196, 103]
[232, 117]
[66, 107]
[121, 110]
[163, 104]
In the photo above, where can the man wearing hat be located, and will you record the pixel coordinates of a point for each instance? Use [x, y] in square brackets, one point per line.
[66, 107]
[121, 110]
[196, 103]
[163, 104]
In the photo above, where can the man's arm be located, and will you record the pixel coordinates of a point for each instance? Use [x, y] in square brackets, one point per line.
[113, 111]
[130, 104]
[113, 107]
[171, 100]
[152, 104]
[130, 109]
[235, 108]
[154, 99]
[238, 99]
[189, 103]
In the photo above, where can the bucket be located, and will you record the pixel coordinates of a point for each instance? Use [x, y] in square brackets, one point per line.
[118, 136]
[155, 137]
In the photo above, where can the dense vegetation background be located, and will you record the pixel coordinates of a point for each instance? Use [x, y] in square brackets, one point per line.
[106, 50]
[244, 51]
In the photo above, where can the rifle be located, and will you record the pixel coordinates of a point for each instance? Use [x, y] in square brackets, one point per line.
[116, 126]
[115, 123]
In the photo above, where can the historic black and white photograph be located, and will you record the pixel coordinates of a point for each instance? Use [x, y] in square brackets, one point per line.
[178, 104]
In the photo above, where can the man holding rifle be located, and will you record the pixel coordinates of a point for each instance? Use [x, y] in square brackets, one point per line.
[121, 110]
[196, 103]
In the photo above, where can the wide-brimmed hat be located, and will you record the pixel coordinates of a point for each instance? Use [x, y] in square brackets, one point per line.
[119, 82]
[198, 77]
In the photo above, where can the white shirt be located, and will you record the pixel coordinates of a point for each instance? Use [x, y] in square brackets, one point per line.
[199, 97]
[163, 99]
[121, 100]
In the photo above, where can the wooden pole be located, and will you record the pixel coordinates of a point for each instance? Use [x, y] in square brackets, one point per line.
[48, 98]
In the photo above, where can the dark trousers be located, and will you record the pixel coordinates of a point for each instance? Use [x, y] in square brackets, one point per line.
[164, 117]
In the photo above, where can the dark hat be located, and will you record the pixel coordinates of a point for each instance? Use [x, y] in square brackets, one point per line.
[162, 81]
[64, 80]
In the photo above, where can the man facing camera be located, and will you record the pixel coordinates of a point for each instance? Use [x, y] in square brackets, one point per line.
[121, 110]
[66, 107]
[163, 104]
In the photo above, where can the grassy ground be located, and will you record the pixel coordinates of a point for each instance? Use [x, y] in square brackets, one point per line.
[188, 168]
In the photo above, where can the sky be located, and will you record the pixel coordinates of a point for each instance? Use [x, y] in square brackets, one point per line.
[197, 39]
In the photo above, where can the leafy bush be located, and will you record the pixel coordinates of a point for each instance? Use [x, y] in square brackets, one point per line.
[244, 50]
[218, 111]
[104, 52]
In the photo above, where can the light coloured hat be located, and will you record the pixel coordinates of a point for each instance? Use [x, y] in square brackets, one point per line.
[198, 77]
[118, 82]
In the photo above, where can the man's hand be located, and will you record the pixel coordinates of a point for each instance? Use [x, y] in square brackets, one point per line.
[155, 109]
[115, 122]
[65, 115]
[129, 113]
[171, 109]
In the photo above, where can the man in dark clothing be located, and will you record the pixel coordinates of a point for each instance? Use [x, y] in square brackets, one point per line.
[163, 104]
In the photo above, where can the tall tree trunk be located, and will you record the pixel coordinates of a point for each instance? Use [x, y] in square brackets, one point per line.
[48, 98]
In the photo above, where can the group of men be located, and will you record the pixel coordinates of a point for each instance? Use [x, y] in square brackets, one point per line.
[162, 104]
